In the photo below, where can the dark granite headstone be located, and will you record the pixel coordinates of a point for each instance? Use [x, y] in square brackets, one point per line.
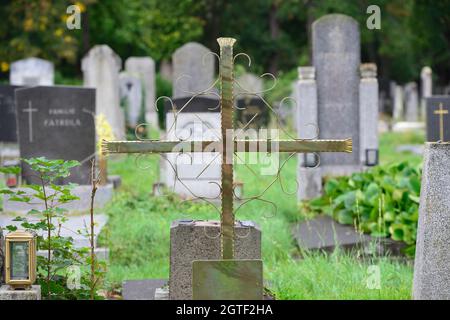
[57, 123]
[323, 233]
[434, 118]
[196, 105]
[8, 131]
[247, 108]
[141, 289]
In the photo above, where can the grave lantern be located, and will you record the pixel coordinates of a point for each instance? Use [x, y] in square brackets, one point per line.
[311, 160]
[371, 157]
[20, 259]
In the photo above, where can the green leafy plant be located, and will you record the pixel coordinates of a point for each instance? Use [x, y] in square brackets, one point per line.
[382, 201]
[47, 224]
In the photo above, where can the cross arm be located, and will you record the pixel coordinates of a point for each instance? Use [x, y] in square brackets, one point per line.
[291, 146]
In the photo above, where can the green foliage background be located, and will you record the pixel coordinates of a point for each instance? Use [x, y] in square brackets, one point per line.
[275, 33]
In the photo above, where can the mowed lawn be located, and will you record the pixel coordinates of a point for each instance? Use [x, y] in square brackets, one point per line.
[138, 232]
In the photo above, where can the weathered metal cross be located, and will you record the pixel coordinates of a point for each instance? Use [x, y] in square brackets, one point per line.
[228, 146]
[441, 112]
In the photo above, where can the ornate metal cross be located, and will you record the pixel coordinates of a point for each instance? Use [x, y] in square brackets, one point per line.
[227, 146]
[441, 112]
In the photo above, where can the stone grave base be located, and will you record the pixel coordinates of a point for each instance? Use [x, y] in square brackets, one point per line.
[200, 240]
[324, 233]
[103, 195]
[34, 293]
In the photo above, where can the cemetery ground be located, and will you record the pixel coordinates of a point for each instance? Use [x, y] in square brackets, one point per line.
[137, 233]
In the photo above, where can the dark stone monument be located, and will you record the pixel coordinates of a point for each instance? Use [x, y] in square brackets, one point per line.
[57, 123]
[8, 130]
[438, 118]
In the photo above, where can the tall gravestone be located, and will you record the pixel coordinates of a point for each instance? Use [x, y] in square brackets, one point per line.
[131, 99]
[398, 109]
[198, 173]
[144, 69]
[337, 97]
[57, 123]
[411, 102]
[426, 87]
[251, 109]
[8, 127]
[432, 260]
[336, 58]
[101, 66]
[32, 72]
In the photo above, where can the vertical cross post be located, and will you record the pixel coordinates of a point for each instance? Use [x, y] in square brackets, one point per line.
[226, 83]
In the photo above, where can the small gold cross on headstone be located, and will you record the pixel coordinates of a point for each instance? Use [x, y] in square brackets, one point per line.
[441, 112]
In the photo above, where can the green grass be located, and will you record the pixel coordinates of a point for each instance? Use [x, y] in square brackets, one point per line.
[138, 233]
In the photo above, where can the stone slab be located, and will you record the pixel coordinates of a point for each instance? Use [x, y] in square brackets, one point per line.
[408, 126]
[102, 196]
[141, 289]
[199, 240]
[412, 148]
[324, 233]
[34, 293]
[70, 227]
[432, 261]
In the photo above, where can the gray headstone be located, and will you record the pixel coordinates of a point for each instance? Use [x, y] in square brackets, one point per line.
[248, 82]
[426, 78]
[336, 58]
[131, 99]
[434, 119]
[411, 102]
[8, 130]
[199, 240]
[58, 123]
[193, 69]
[32, 72]
[144, 69]
[398, 109]
[141, 289]
[101, 66]
[195, 174]
[432, 261]
[368, 104]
